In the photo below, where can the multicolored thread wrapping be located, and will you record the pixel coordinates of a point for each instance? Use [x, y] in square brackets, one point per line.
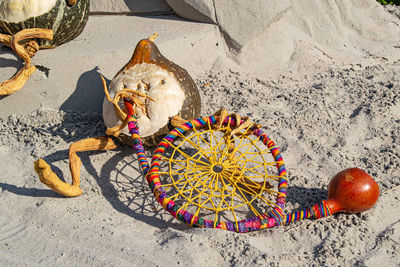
[316, 212]
[137, 143]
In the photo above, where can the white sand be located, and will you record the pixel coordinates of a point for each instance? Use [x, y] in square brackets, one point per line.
[331, 118]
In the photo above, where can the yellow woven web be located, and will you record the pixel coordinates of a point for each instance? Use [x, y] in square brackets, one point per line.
[211, 172]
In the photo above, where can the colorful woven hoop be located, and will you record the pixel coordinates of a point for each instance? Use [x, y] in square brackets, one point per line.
[270, 219]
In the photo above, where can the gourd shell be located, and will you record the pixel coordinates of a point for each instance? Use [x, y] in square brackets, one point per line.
[65, 21]
[178, 96]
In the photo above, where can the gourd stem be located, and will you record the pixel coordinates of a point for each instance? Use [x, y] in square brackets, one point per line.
[153, 37]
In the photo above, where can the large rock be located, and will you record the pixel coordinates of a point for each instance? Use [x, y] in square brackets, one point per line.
[201, 11]
[128, 6]
[239, 20]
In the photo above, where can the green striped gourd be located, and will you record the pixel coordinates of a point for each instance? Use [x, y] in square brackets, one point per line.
[66, 19]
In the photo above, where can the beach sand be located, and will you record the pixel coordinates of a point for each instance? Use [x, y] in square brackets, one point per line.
[325, 117]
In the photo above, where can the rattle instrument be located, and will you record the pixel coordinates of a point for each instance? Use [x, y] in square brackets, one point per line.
[222, 171]
[225, 172]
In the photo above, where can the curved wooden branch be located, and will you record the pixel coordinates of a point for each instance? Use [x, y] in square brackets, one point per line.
[24, 50]
[49, 178]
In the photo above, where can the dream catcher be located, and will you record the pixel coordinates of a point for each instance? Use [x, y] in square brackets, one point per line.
[220, 171]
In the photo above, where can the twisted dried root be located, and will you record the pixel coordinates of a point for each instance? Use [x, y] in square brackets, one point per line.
[24, 50]
[49, 178]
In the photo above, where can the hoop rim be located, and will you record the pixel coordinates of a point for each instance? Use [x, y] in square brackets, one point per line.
[272, 218]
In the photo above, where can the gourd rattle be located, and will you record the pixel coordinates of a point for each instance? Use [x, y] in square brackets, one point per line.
[220, 171]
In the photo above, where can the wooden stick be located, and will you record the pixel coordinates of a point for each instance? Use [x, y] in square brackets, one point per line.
[392, 189]
[49, 178]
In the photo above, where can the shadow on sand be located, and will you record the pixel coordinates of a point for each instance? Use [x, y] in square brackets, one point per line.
[121, 183]
[88, 95]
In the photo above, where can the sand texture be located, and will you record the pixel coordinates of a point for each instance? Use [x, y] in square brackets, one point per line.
[325, 116]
